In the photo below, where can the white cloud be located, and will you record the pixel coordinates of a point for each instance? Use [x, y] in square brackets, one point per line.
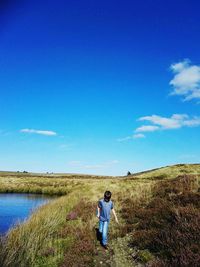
[41, 132]
[158, 123]
[139, 135]
[192, 122]
[147, 128]
[176, 121]
[177, 67]
[186, 81]
[166, 123]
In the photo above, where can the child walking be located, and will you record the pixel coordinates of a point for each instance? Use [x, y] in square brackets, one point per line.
[104, 208]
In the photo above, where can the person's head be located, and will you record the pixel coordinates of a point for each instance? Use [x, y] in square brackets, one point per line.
[107, 196]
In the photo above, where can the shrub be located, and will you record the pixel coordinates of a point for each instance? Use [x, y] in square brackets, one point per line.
[169, 225]
[81, 252]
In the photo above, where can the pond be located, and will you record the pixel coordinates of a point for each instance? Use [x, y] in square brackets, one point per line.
[17, 207]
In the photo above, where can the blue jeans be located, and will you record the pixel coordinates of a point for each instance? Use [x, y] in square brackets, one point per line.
[103, 229]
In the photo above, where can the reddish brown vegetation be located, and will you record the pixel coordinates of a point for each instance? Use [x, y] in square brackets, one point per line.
[169, 225]
[82, 251]
[82, 210]
[72, 216]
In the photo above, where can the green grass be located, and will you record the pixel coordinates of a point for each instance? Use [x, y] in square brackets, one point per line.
[48, 239]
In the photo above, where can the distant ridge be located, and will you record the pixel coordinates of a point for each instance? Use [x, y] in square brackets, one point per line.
[174, 169]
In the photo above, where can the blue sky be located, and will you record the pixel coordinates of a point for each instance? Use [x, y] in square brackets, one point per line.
[99, 87]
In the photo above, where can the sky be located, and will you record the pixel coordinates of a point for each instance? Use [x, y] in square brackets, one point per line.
[99, 87]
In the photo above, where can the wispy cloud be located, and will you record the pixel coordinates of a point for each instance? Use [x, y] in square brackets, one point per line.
[41, 132]
[176, 121]
[139, 135]
[147, 128]
[186, 81]
[135, 136]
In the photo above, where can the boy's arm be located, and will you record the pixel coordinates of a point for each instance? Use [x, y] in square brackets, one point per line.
[114, 213]
[98, 211]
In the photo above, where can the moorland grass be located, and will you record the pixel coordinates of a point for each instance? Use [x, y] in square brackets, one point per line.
[43, 239]
[63, 230]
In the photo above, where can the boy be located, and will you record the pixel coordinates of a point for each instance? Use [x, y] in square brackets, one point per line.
[104, 208]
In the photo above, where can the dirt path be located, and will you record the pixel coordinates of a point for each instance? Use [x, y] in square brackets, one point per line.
[103, 257]
[118, 254]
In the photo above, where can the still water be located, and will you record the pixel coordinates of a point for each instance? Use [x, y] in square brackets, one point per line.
[17, 207]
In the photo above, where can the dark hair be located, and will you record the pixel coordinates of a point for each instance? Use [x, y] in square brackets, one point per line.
[107, 196]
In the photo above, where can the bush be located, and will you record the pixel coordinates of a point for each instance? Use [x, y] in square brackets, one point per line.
[169, 225]
[81, 252]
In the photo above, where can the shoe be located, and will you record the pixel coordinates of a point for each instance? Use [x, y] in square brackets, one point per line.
[105, 247]
[99, 237]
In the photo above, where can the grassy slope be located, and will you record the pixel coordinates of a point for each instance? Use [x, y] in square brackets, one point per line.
[47, 239]
[169, 172]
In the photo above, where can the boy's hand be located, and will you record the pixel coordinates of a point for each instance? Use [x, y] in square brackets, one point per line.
[98, 212]
[114, 213]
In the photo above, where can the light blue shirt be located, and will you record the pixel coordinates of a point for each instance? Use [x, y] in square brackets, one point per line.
[105, 209]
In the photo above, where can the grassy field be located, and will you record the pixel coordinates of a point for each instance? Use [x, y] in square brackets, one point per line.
[62, 232]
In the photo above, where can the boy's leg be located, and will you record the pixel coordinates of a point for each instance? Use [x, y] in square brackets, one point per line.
[100, 230]
[105, 233]
[100, 227]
